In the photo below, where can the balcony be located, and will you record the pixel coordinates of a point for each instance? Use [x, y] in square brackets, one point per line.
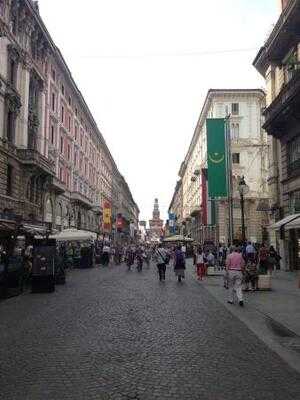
[285, 109]
[58, 186]
[195, 210]
[31, 157]
[97, 209]
[80, 198]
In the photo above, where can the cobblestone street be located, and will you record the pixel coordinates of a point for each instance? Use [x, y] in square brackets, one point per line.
[114, 334]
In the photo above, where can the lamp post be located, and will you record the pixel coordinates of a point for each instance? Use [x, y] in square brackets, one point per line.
[243, 189]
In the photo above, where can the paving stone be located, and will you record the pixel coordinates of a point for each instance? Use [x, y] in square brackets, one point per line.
[112, 334]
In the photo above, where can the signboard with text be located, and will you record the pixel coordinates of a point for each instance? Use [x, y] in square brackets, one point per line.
[107, 216]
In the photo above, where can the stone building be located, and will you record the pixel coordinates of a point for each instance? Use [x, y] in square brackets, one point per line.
[278, 61]
[56, 168]
[176, 208]
[205, 219]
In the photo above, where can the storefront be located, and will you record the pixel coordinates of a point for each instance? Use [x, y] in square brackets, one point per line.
[287, 232]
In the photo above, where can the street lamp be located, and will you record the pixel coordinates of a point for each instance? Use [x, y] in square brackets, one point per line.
[243, 189]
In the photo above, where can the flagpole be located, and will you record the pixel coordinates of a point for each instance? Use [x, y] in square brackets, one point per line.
[229, 177]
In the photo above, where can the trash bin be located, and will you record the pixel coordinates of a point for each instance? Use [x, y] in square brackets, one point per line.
[43, 266]
[86, 257]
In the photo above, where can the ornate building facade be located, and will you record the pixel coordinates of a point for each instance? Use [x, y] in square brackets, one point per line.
[203, 218]
[56, 168]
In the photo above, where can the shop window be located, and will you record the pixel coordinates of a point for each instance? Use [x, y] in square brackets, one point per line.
[9, 180]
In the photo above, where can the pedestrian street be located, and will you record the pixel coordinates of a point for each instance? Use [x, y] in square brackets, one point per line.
[110, 333]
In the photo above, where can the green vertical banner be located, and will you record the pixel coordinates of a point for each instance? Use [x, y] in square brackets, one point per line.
[216, 158]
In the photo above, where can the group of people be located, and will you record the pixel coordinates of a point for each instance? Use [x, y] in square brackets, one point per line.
[242, 264]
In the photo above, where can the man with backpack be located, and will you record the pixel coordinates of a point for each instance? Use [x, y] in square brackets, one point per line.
[162, 259]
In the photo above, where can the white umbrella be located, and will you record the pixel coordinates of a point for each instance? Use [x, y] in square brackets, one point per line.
[178, 238]
[74, 234]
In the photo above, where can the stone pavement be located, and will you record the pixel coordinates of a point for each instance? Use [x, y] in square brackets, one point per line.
[277, 310]
[114, 334]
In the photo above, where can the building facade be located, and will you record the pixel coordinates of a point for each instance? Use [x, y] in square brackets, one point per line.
[56, 168]
[209, 220]
[278, 61]
[176, 209]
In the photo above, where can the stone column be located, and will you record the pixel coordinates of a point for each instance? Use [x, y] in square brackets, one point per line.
[3, 72]
[42, 130]
[22, 120]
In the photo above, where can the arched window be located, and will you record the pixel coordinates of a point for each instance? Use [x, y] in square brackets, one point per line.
[59, 215]
[48, 211]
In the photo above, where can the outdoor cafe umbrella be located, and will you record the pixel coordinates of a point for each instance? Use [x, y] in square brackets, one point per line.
[178, 238]
[74, 234]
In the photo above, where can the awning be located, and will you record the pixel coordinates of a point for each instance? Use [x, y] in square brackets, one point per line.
[293, 224]
[287, 221]
[74, 234]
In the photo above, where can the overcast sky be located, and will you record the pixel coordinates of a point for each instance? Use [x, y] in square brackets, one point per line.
[144, 68]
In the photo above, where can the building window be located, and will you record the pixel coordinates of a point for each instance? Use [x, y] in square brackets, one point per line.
[62, 114]
[76, 132]
[61, 178]
[235, 158]
[75, 158]
[293, 150]
[235, 131]
[295, 202]
[53, 102]
[69, 152]
[69, 100]
[61, 144]
[235, 108]
[53, 74]
[76, 112]
[9, 180]
[69, 123]
[52, 134]
[10, 126]
[12, 72]
[63, 90]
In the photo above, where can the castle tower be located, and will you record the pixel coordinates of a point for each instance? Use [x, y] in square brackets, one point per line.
[156, 224]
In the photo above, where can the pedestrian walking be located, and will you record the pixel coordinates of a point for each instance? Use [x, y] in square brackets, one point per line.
[235, 266]
[263, 259]
[250, 252]
[211, 260]
[200, 264]
[106, 254]
[161, 257]
[272, 260]
[179, 263]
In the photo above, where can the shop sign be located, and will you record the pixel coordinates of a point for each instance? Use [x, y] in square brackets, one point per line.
[107, 216]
